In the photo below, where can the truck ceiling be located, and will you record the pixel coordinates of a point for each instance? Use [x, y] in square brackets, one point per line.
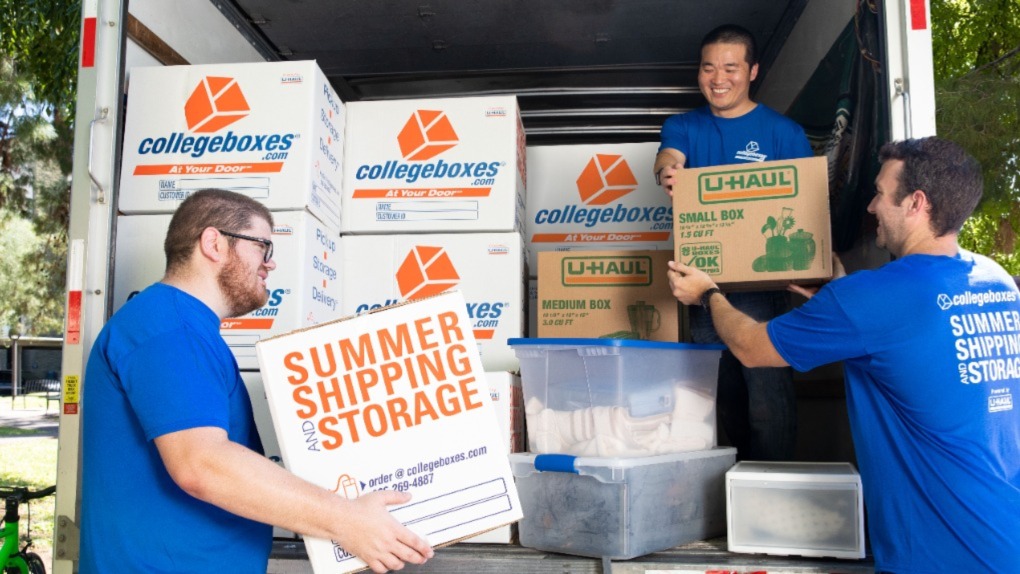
[583, 70]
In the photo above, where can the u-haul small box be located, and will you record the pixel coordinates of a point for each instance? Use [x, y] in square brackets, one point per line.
[272, 131]
[488, 268]
[614, 294]
[434, 165]
[393, 400]
[596, 197]
[755, 225]
[304, 289]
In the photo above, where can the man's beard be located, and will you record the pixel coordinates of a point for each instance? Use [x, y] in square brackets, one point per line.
[241, 295]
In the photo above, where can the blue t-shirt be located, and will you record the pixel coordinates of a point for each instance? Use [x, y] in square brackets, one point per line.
[160, 366]
[931, 351]
[759, 135]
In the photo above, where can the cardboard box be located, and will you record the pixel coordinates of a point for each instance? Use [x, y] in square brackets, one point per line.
[584, 197]
[264, 424]
[795, 509]
[756, 225]
[617, 294]
[488, 268]
[434, 165]
[272, 131]
[304, 289]
[395, 399]
[508, 400]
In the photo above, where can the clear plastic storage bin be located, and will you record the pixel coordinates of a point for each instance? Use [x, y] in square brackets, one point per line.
[616, 397]
[621, 508]
[795, 509]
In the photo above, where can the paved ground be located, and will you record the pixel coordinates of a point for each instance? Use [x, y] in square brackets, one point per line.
[39, 421]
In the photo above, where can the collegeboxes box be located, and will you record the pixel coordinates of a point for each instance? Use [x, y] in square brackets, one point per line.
[596, 197]
[488, 268]
[434, 165]
[272, 131]
[621, 508]
[304, 289]
[755, 225]
[618, 294]
[508, 400]
[795, 508]
[398, 400]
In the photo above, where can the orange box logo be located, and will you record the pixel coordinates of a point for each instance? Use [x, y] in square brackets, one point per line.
[426, 134]
[216, 103]
[605, 179]
[426, 271]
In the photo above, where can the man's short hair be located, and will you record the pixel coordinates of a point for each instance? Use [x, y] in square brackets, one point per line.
[733, 34]
[206, 208]
[947, 174]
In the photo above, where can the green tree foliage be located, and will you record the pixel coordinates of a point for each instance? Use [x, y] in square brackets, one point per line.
[38, 71]
[976, 50]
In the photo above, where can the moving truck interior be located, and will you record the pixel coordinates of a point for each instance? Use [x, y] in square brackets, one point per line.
[854, 74]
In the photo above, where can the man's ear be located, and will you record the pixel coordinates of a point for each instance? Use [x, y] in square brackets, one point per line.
[210, 245]
[754, 73]
[918, 201]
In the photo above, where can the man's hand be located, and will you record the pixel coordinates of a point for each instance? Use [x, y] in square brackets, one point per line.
[687, 283]
[838, 271]
[372, 534]
[668, 163]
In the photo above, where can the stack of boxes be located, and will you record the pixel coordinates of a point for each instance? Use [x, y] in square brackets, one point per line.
[271, 131]
[433, 201]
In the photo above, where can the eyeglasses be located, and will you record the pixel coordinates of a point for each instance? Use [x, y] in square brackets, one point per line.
[267, 253]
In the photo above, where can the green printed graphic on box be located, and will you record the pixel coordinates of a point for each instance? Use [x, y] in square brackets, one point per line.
[783, 250]
[615, 271]
[704, 256]
[752, 184]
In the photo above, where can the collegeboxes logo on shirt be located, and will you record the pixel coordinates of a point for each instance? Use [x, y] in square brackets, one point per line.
[216, 103]
[426, 271]
[426, 134]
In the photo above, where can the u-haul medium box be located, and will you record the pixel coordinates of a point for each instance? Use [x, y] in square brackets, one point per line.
[434, 165]
[596, 197]
[612, 294]
[304, 289]
[393, 400]
[488, 268]
[272, 131]
[757, 225]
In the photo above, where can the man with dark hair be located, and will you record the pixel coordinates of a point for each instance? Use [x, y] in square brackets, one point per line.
[757, 407]
[173, 475]
[930, 345]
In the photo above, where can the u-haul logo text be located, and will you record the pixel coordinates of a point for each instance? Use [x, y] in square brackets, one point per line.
[748, 184]
[606, 271]
[215, 103]
[425, 135]
[605, 178]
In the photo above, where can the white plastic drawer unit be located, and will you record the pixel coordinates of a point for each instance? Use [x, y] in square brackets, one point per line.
[795, 509]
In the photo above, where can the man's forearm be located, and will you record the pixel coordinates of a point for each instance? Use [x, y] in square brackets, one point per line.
[746, 338]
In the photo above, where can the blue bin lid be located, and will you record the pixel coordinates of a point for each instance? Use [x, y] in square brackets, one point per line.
[630, 343]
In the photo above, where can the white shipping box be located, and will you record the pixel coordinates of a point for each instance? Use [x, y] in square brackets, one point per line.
[488, 268]
[434, 165]
[396, 400]
[508, 399]
[272, 131]
[304, 289]
[604, 197]
[264, 424]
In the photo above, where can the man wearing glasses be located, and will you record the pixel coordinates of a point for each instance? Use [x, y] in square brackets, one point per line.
[173, 475]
